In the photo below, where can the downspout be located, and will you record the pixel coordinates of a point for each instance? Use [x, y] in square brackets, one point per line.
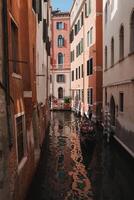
[6, 72]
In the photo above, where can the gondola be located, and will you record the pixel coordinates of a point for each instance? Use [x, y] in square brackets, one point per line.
[87, 135]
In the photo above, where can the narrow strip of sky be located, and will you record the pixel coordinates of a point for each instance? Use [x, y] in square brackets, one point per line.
[63, 5]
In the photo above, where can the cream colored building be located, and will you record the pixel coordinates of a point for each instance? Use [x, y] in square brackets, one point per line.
[43, 52]
[43, 38]
[118, 68]
[86, 56]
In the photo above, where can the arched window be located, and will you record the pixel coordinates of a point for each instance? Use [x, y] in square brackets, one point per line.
[60, 58]
[122, 42]
[60, 41]
[60, 93]
[106, 13]
[132, 33]
[112, 110]
[112, 51]
[105, 57]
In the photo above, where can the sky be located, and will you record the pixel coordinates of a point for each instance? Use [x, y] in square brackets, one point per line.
[63, 5]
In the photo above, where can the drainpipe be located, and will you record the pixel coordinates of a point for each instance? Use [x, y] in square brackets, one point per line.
[6, 72]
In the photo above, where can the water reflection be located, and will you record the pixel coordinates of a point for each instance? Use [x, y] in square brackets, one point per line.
[69, 172]
[70, 179]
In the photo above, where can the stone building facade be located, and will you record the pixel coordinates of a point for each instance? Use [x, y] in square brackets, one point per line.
[118, 78]
[19, 111]
[86, 57]
[43, 37]
[4, 137]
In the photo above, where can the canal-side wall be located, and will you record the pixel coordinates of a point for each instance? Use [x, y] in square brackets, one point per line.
[118, 71]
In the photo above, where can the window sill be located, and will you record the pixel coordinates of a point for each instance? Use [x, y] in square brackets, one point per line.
[130, 54]
[22, 164]
[121, 113]
[121, 60]
[105, 70]
[17, 76]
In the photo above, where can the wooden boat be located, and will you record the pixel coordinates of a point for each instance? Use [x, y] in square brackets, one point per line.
[87, 135]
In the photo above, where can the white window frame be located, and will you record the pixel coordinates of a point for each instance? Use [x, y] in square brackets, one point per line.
[24, 159]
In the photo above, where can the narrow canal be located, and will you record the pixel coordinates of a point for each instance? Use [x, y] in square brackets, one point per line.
[66, 172]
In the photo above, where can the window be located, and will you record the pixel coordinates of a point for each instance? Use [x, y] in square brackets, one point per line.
[60, 58]
[106, 13]
[60, 78]
[72, 56]
[121, 103]
[60, 25]
[14, 40]
[89, 7]
[79, 73]
[82, 71]
[121, 42]
[40, 11]
[78, 26]
[50, 78]
[105, 96]
[82, 19]
[35, 5]
[60, 93]
[90, 66]
[82, 94]
[90, 37]
[86, 13]
[76, 73]
[75, 29]
[20, 128]
[71, 36]
[90, 96]
[112, 51]
[132, 33]
[79, 48]
[73, 75]
[105, 57]
[60, 41]
[79, 94]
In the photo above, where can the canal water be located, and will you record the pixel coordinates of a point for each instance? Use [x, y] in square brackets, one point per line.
[66, 171]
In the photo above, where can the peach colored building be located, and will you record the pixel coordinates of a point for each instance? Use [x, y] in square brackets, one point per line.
[86, 57]
[60, 57]
[118, 69]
